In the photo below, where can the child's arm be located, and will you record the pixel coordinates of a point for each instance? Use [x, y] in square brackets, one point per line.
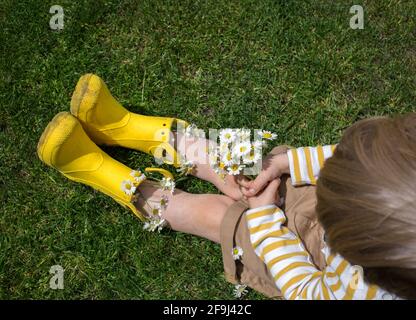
[306, 162]
[291, 267]
[290, 264]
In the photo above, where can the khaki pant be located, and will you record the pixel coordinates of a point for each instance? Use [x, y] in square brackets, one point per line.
[299, 207]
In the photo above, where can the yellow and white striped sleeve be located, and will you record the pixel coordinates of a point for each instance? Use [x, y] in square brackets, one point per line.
[291, 266]
[306, 162]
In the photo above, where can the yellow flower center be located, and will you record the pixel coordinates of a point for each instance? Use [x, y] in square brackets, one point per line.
[267, 135]
[234, 167]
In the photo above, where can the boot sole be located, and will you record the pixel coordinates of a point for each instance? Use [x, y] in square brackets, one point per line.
[79, 93]
[48, 133]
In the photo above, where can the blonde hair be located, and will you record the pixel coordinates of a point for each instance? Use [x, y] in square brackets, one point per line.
[367, 201]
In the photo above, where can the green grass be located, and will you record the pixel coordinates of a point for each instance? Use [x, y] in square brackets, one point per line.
[294, 67]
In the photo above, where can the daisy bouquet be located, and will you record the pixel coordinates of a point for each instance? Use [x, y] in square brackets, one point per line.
[237, 152]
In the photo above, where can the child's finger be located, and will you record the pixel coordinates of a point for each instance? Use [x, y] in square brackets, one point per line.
[244, 191]
[258, 184]
[243, 181]
[272, 188]
[273, 185]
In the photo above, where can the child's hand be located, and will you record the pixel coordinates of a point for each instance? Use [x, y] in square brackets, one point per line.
[273, 167]
[267, 197]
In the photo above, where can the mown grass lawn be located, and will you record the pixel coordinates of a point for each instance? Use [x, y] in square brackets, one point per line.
[294, 67]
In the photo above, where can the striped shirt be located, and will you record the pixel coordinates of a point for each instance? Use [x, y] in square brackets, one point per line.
[285, 256]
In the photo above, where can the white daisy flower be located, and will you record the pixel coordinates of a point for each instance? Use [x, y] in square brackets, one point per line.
[237, 253]
[156, 211]
[223, 148]
[187, 167]
[167, 184]
[128, 187]
[227, 135]
[268, 135]
[258, 144]
[220, 169]
[252, 157]
[137, 175]
[163, 202]
[221, 165]
[235, 169]
[228, 159]
[155, 223]
[240, 290]
[242, 148]
[244, 134]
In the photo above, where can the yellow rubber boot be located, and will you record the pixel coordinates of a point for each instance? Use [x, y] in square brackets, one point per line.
[65, 146]
[107, 122]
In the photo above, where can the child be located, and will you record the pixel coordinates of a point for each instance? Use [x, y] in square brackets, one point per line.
[366, 205]
[69, 145]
